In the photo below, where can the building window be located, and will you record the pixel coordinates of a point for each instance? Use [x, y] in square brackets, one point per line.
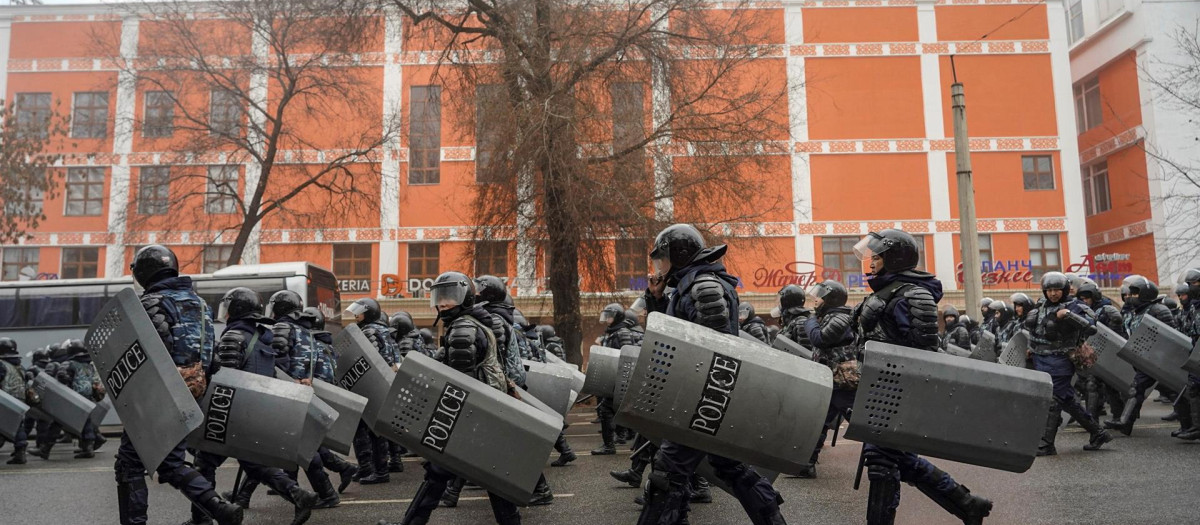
[224, 113]
[352, 267]
[89, 118]
[153, 189]
[423, 263]
[489, 98]
[20, 264]
[222, 189]
[33, 114]
[28, 200]
[491, 258]
[1044, 255]
[837, 254]
[1088, 109]
[1038, 172]
[632, 264]
[1075, 20]
[424, 134]
[214, 258]
[985, 248]
[628, 129]
[159, 115]
[80, 263]
[1095, 188]
[1108, 8]
[85, 191]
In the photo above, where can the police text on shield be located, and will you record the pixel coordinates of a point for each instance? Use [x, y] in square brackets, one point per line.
[123, 369]
[441, 424]
[714, 400]
[216, 422]
[356, 372]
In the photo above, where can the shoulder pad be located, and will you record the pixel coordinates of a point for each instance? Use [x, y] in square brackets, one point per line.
[281, 339]
[161, 315]
[709, 297]
[462, 333]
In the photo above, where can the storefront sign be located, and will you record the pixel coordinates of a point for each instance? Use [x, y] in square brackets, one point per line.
[354, 285]
[1102, 268]
[804, 274]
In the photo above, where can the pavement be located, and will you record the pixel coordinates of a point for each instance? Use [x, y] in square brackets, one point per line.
[1149, 478]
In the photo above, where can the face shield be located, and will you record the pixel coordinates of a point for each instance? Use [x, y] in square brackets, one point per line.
[639, 306]
[661, 266]
[443, 298]
[357, 310]
[607, 317]
[223, 312]
[817, 294]
[743, 314]
[776, 312]
[869, 246]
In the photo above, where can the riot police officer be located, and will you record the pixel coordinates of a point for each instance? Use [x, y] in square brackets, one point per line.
[471, 349]
[792, 314]
[1099, 392]
[552, 342]
[832, 336]
[956, 332]
[12, 382]
[705, 294]
[1057, 327]
[1141, 299]
[312, 318]
[1006, 323]
[248, 345]
[184, 324]
[85, 381]
[405, 333]
[902, 310]
[372, 450]
[752, 324]
[1190, 401]
[987, 315]
[616, 335]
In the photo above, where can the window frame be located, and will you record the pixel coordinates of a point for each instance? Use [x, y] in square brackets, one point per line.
[95, 124]
[1042, 251]
[88, 187]
[490, 255]
[487, 140]
[33, 200]
[424, 260]
[353, 259]
[81, 264]
[424, 144]
[5, 264]
[158, 119]
[1093, 175]
[231, 112]
[31, 114]
[845, 253]
[631, 266]
[1075, 14]
[162, 191]
[1037, 174]
[207, 260]
[989, 249]
[216, 202]
[1089, 109]
[628, 131]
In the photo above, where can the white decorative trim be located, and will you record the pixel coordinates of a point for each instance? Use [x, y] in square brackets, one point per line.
[1064, 106]
[1123, 233]
[1114, 144]
[801, 169]
[393, 107]
[119, 175]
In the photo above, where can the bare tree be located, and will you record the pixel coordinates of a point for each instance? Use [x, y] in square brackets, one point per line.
[29, 138]
[280, 87]
[1176, 82]
[598, 120]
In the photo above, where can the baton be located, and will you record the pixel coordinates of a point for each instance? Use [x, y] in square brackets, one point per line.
[584, 399]
[237, 480]
[862, 462]
[837, 425]
[641, 448]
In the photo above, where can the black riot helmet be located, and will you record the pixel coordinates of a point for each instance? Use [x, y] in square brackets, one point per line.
[1181, 290]
[426, 336]
[612, 314]
[402, 322]
[1089, 291]
[546, 331]
[1170, 303]
[897, 248]
[8, 346]
[986, 302]
[75, 349]
[316, 319]
[40, 358]
[520, 320]
[239, 303]
[1003, 311]
[950, 311]
[1141, 290]
[452, 295]
[1192, 279]
[831, 293]
[365, 311]
[1021, 300]
[1056, 281]
[631, 315]
[490, 288]
[284, 303]
[745, 312]
[154, 263]
[791, 296]
[675, 247]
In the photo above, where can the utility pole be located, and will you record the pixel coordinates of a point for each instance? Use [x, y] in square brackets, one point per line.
[968, 234]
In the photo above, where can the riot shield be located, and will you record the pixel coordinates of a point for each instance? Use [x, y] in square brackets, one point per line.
[1109, 367]
[261, 419]
[1159, 351]
[348, 405]
[551, 358]
[63, 404]
[457, 422]
[360, 369]
[782, 342]
[551, 384]
[986, 349]
[1015, 350]
[625, 365]
[726, 396]
[601, 371]
[98, 413]
[533, 401]
[12, 415]
[964, 410]
[1193, 363]
[746, 335]
[957, 351]
[155, 406]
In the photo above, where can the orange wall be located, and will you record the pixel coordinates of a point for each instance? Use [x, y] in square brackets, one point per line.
[1128, 191]
[970, 23]
[889, 24]
[1121, 105]
[847, 187]
[1006, 95]
[864, 98]
[1000, 190]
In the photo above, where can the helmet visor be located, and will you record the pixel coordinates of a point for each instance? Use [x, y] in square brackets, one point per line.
[270, 311]
[661, 266]
[869, 246]
[447, 297]
[639, 306]
[776, 312]
[743, 314]
[223, 312]
[607, 317]
[356, 310]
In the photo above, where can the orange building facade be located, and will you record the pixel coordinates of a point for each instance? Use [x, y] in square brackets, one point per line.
[870, 147]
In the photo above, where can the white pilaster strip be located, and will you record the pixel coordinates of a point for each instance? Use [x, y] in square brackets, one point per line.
[660, 101]
[793, 23]
[1064, 109]
[118, 188]
[939, 185]
[393, 104]
[260, 47]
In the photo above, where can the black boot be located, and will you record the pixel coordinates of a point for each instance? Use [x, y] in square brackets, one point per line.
[882, 491]
[18, 456]
[85, 450]
[375, 479]
[99, 441]
[422, 500]
[1053, 419]
[700, 491]
[223, 512]
[1099, 436]
[304, 502]
[325, 491]
[43, 450]
[542, 495]
[565, 454]
[665, 495]
[1183, 413]
[969, 508]
[395, 454]
[607, 433]
[454, 488]
[632, 477]
[346, 477]
[1193, 397]
[1128, 416]
[808, 472]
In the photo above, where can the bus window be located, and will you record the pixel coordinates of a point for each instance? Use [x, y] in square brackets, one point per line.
[10, 314]
[213, 290]
[90, 300]
[323, 293]
[53, 306]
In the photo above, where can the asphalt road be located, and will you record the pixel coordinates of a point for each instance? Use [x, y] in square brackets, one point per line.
[1148, 478]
